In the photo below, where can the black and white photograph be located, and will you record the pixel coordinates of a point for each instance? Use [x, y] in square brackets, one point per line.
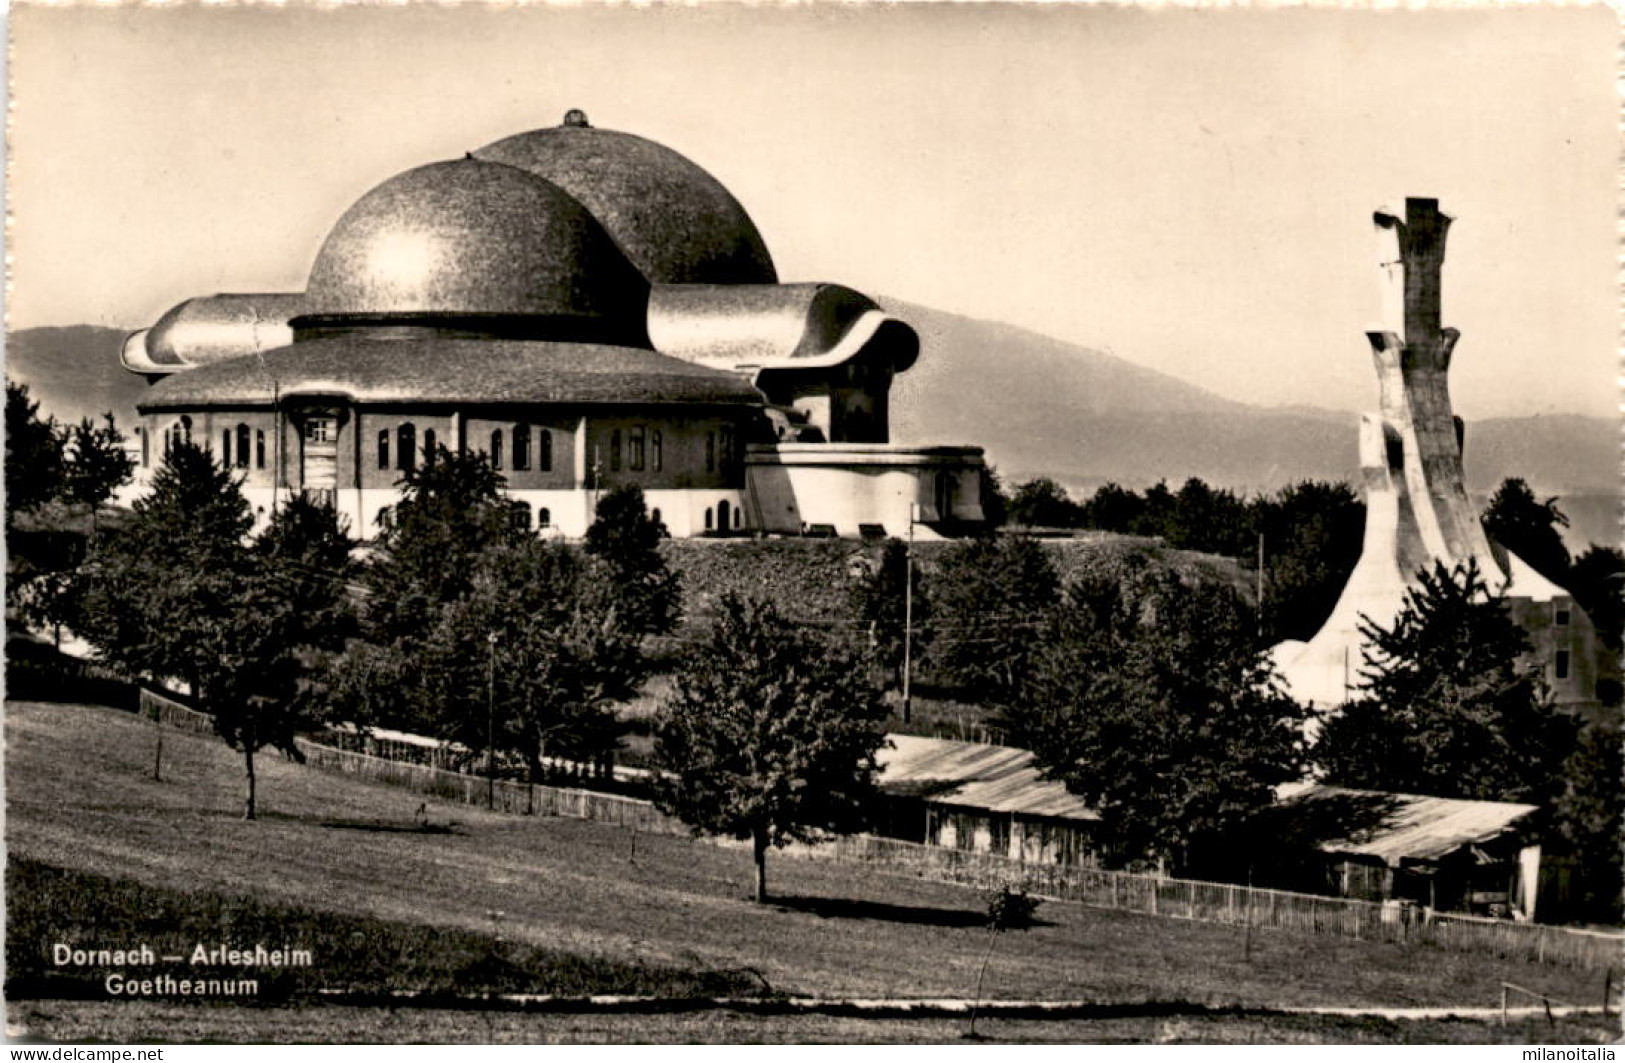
[971, 524]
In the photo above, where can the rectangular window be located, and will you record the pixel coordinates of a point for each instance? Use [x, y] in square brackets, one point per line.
[1560, 665]
[225, 447]
[726, 450]
[320, 430]
[635, 458]
[659, 457]
[1562, 618]
[383, 448]
[496, 450]
[521, 447]
[259, 448]
[141, 434]
[544, 460]
[615, 451]
[242, 446]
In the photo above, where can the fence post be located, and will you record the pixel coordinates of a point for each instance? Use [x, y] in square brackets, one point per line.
[1190, 899]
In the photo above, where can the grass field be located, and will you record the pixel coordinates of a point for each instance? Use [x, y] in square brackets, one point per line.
[80, 799]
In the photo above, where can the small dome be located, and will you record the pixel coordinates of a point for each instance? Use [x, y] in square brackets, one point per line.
[676, 222]
[472, 238]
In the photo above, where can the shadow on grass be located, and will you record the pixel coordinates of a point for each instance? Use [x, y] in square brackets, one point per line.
[847, 908]
[382, 827]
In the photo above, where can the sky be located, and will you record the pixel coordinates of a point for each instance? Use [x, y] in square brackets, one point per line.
[1190, 190]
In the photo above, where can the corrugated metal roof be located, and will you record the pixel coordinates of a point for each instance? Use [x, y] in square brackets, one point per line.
[1389, 827]
[996, 778]
[1408, 826]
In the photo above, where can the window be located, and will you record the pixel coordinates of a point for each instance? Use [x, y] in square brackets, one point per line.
[496, 450]
[225, 447]
[521, 447]
[658, 460]
[383, 448]
[1562, 618]
[428, 446]
[710, 453]
[320, 430]
[615, 451]
[544, 518]
[519, 516]
[242, 446]
[707, 518]
[544, 460]
[259, 448]
[1560, 665]
[179, 433]
[726, 449]
[635, 444]
[141, 434]
[406, 448]
[654, 515]
[723, 523]
[739, 517]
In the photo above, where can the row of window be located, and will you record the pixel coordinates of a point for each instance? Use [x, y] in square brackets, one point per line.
[521, 448]
[241, 446]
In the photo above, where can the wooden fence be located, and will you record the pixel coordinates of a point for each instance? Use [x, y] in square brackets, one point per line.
[1208, 902]
[503, 795]
[1219, 902]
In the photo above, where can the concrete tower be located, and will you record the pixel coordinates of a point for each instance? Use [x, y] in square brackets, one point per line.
[1417, 508]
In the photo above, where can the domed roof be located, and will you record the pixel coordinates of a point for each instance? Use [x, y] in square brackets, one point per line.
[676, 222]
[472, 238]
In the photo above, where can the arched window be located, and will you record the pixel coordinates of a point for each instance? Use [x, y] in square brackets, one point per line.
[496, 451]
[707, 518]
[242, 446]
[544, 460]
[141, 434]
[710, 452]
[406, 448]
[722, 515]
[615, 451]
[654, 515]
[225, 447]
[544, 518]
[636, 445]
[383, 448]
[521, 447]
[259, 448]
[519, 516]
[739, 518]
[428, 446]
[658, 458]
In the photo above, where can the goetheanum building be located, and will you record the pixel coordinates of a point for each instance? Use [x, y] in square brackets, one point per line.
[588, 309]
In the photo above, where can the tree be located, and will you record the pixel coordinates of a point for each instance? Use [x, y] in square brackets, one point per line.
[98, 464]
[626, 541]
[1452, 708]
[1313, 532]
[1150, 699]
[452, 508]
[177, 593]
[1043, 503]
[35, 454]
[1210, 520]
[1589, 816]
[769, 734]
[1597, 581]
[307, 544]
[1114, 509]
[1007, 909]
[1156, 517]
[988, 595]
[879, 601]
[1529, 528]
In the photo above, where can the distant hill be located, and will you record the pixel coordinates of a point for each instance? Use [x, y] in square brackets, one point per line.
[74, 372]
[1044, 407]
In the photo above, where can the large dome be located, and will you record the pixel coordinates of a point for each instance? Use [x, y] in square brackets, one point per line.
[469, 238]
[676, 222]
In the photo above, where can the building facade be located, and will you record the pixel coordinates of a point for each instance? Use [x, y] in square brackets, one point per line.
[586, 308]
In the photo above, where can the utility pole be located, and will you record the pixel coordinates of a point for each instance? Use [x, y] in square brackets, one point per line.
[491, 721]
[908, 610]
